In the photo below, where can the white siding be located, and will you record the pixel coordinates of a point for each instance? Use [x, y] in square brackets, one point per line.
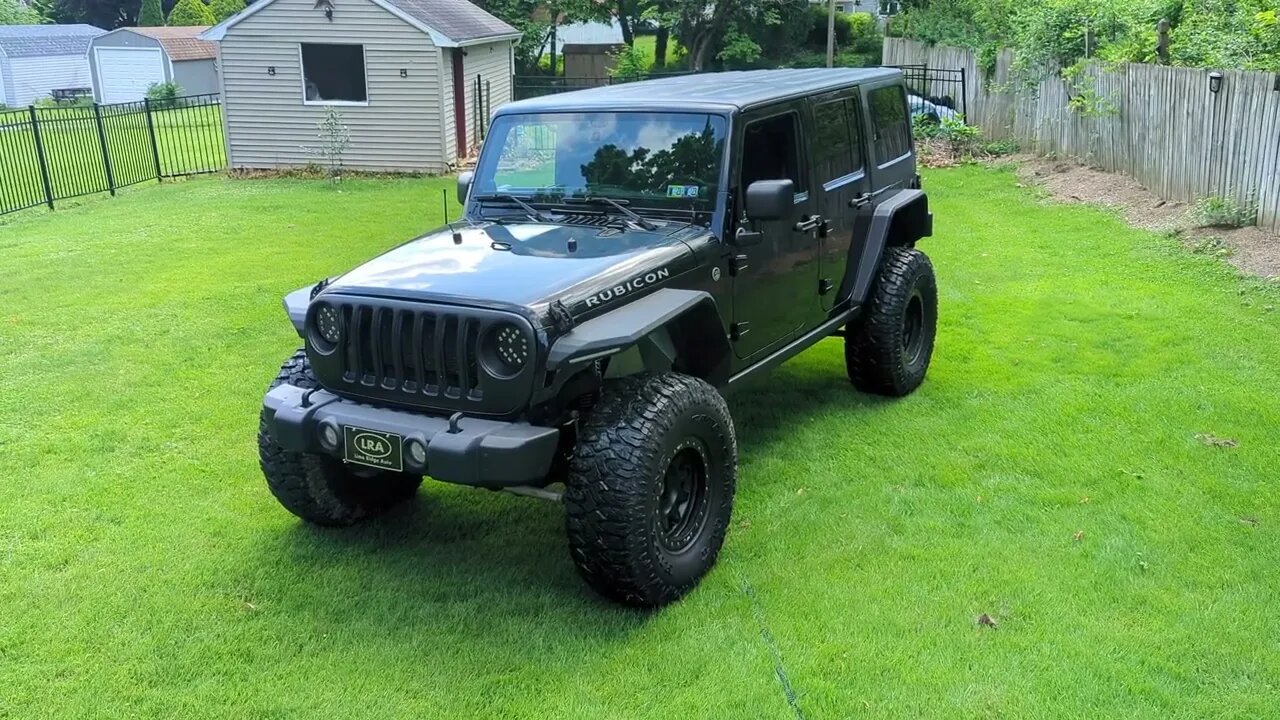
[492, 63]
[269, 126]
[36, 77]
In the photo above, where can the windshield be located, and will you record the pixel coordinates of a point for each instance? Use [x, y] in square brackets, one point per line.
[657, 160]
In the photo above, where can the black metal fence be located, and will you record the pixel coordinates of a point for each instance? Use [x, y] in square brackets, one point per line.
[941, 87]
[56, 153]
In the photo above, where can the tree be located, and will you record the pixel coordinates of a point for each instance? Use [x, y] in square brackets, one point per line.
[223, 9]
[107, 14]
[11, 13]
[190, 12]
[150, 14]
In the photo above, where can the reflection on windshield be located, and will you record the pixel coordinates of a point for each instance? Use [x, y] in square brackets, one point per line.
[655, 159]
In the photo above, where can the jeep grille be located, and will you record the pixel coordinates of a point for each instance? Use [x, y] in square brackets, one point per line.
[415, 354]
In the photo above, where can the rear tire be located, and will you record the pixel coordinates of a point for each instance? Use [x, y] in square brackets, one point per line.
[318, 488]
[650, 488]
[887, 351]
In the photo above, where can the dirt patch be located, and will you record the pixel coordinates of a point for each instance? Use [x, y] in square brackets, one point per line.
[1250, 249]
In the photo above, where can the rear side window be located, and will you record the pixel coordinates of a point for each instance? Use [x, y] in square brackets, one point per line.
[890, 123]
[836, 139]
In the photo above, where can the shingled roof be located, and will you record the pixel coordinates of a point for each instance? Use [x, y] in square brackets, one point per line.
[40, 40]
[450, 23]
[182, 42]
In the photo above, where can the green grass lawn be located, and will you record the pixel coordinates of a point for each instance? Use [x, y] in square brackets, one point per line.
[1057, 471]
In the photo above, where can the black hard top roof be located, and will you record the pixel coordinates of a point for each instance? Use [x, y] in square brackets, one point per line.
[704, 91]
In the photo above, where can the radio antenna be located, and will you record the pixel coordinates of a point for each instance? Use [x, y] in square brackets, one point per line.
[444, 202]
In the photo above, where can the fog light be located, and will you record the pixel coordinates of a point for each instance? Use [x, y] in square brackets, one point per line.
[329, 436]
[417, 452]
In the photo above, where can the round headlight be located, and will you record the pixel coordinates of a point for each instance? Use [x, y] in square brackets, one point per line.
[507, 349]
[327, 323]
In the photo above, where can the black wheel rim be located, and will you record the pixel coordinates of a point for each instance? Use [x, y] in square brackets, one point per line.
[682, 501]
[913, 330]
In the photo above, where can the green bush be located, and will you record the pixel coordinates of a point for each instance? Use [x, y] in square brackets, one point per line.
[190, 12]
[1223, 212]
[629, 63]
[150, 14]
[164, 94]
[223, 9]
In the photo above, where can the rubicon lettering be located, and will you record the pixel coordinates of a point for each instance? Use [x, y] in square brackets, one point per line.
[631, 285]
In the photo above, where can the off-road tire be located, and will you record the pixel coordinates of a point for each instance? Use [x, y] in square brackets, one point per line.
[318, 488]
[618, 508]
[887, 350]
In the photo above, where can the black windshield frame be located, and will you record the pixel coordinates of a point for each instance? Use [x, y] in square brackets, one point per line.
[710, 195]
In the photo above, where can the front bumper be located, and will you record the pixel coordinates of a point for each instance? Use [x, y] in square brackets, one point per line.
[480, 452]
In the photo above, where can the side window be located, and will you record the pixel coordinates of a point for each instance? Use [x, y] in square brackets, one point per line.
[837, 139]
[770, 151]
[889, 123]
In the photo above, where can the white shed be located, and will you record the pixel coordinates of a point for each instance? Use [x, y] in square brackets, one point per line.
[36, 60]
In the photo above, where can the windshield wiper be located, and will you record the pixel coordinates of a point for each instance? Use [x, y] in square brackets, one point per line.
[534, 213]
[621, 207]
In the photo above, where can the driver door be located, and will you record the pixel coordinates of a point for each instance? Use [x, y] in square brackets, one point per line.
[774, 279]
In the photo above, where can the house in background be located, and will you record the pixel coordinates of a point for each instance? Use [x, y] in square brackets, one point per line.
[415, 80]
[37, 60]
[128, 60]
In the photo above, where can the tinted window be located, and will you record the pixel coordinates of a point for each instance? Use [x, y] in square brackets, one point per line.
[836, 139]
[770, 151]
[890, 124]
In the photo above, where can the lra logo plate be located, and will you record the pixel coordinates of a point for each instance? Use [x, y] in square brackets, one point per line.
[381, 450]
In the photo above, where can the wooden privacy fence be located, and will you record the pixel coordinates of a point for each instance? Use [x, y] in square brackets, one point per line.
[1163, 126]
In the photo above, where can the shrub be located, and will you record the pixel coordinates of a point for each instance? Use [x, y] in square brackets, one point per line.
[1224, 212]
[223, 9]
[150, 14]
[164, 94]
[629, 63]
[190, 12]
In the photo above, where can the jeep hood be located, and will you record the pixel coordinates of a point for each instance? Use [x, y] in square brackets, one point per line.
[525, 264]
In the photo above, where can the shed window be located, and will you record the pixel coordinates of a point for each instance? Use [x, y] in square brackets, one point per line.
[333, 73]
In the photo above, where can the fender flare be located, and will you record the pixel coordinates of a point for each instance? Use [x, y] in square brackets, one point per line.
[295, 306]
[900, 219]
[698, 336]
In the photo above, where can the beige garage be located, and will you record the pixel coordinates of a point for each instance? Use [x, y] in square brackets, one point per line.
[414, 80]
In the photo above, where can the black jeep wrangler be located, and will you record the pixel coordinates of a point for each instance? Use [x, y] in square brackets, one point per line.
[627, 253]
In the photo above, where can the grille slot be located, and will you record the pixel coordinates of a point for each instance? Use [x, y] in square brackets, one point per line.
[417, 352]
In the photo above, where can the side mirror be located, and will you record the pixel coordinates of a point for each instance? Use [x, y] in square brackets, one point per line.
[464, 184]
[770, 199]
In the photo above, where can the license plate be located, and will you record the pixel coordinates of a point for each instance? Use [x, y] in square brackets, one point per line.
[382, 450]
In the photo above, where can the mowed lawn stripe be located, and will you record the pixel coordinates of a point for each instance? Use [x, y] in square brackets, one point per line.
[1058, 472]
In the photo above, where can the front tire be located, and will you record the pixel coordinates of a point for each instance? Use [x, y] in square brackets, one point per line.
[318, 488]
[887, 351]
[650, 488]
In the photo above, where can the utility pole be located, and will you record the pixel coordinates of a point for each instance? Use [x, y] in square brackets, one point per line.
[831, 33]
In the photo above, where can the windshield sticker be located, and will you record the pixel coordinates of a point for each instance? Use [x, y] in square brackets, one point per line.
[682, 191]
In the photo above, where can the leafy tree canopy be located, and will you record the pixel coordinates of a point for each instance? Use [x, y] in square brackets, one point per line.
[150, 13]
[223, 9]
[190, 12]
[11, 13]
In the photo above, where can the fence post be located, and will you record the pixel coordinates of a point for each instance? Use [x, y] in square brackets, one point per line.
[964, 97]
[151, 130]
[44, 164]
[106, 156]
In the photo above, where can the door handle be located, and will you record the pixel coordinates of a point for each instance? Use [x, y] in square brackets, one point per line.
[808, 224]
[860, 201]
